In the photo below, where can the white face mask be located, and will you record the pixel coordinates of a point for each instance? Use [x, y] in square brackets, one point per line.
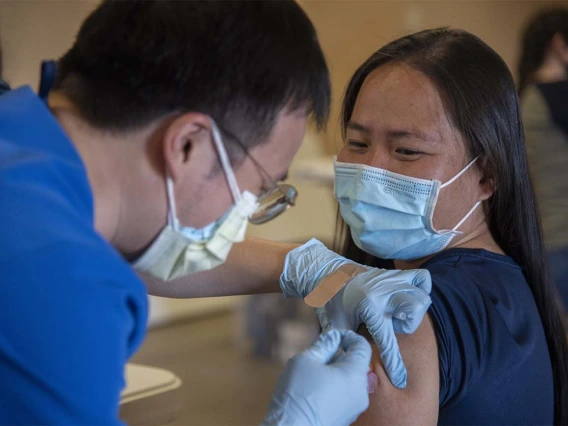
[180, 250]
[390, 215]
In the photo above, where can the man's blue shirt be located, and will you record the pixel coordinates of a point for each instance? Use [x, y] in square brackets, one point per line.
[72, 311]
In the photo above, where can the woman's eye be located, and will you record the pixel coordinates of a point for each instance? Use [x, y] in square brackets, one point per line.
[408, 152]
[357, 144]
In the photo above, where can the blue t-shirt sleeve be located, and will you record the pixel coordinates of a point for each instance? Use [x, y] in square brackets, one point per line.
[493, 358]
[458, 312]
[70, 319]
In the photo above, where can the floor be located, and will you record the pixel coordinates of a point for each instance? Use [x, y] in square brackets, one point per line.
[222, 385]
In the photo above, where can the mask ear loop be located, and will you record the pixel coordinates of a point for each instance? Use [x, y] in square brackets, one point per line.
[452, 180]
[172, 212]
[460, 223]
[173, 220]
[225, 163]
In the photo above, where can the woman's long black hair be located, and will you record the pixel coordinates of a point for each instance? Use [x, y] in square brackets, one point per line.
[480, 98]
[536, 39]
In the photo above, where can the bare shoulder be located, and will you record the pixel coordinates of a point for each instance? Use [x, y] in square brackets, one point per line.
[418, 403]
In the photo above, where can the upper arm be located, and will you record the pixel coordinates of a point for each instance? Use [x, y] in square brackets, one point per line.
[65, 336]
[418, 403]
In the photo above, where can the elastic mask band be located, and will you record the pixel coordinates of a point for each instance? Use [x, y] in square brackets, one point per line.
[460, 173]
[466, 216]
[225, 163]
[172, 212]
[231, 180]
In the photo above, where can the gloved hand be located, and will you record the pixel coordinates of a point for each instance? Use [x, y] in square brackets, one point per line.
[321, 386]
[306, 266]
[386, 300]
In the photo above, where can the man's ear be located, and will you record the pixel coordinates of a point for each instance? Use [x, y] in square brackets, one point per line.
[184, 140]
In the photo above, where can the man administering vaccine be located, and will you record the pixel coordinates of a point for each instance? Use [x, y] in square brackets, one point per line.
[155, 139]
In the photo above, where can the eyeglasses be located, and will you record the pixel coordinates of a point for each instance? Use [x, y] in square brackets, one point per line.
[279, 198]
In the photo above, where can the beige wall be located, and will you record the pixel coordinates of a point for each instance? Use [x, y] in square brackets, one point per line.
[350, 30]
[32, 30]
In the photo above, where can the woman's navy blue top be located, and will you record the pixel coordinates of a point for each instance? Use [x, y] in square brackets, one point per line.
[494, 363]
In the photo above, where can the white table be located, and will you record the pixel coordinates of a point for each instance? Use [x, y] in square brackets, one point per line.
[150, 395]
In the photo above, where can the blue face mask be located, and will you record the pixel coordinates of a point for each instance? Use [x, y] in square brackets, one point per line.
[205, 234]
[390, 215]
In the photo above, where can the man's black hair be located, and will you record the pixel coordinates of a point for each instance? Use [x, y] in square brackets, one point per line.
[241, 62]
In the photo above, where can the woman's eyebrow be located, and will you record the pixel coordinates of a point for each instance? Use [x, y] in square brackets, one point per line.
[399, 134]
[359, 127]
[395, 133]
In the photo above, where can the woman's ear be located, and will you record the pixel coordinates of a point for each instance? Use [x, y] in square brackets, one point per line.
[184, 141]
[487, 183]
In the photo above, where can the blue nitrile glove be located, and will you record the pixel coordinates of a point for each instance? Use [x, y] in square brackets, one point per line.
[391, 300]
[306, 266]
[387, 301]
[321, 386]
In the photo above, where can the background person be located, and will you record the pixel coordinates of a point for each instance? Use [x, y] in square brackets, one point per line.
[543, 87]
